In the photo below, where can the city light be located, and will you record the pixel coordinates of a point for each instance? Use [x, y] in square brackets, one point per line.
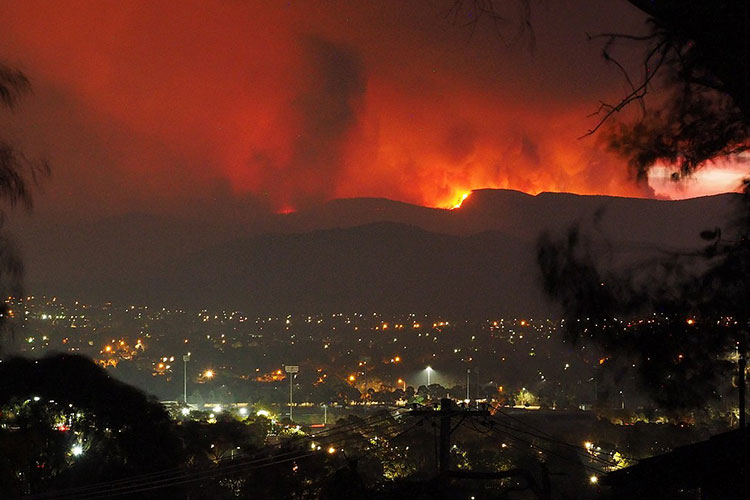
[331, 450]
[208, 374]
[243, 411]
[185, 411]
[593, 479]
[77, 450]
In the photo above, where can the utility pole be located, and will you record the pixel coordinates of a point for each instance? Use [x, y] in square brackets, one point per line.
[468, 379]
[445, 435]
[741, 364]
[446, 413]
[185, 359]
[291, 370]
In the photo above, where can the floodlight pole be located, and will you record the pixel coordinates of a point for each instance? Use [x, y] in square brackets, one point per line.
[185, 359]
[291, 370]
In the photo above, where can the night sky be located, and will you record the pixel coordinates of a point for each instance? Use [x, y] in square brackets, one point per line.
[213, 107]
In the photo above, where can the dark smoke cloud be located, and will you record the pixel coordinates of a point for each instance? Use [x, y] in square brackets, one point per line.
[324, 113]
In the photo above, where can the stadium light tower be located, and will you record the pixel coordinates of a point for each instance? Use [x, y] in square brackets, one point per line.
[185, 359]
[291, 370]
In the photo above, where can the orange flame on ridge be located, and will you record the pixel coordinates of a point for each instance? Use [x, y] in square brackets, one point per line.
[461, 199]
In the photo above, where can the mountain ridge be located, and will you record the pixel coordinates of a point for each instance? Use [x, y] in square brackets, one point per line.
[157, 259]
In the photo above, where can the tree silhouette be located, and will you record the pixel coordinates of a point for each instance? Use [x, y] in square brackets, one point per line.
[694, 52]
[699, 52]
[17, 175]
[62, 400]
[697, 56]
[674, 320]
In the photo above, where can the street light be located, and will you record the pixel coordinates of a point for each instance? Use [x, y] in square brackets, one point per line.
[185, 359]
[402, 381]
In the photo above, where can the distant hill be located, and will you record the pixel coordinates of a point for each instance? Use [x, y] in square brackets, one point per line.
[352, 254]
[376, 267]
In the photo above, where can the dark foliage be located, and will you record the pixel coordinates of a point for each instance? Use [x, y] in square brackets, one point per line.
[682, 316]
[698, 51]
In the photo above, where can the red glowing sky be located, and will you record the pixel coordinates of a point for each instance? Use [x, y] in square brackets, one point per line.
[180, 106]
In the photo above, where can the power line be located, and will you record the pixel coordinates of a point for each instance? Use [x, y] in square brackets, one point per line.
[577, 449]
[539, 448]
[207, 474]
[197, 475]
[546, 435]
[236, 463]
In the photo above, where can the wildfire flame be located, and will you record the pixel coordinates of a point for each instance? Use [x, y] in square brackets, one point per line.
[286, 210]
[461, 200]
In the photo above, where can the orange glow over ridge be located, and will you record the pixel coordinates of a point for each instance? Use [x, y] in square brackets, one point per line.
[286, 105]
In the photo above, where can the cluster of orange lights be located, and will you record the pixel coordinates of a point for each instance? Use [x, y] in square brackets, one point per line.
[163, 366]
[274, 376]
[115, 351]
